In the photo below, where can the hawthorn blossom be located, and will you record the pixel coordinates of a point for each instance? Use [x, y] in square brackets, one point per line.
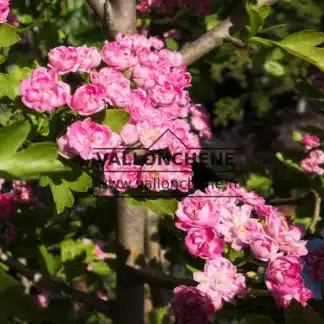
[310, 141]
[88, 58]
[43, 92]
[283, 279]
[189, 305]
[204, 242]
[220, 281]
[87, 139]
[4, 10]
[88, 99]
[7, 206]
[63, 59]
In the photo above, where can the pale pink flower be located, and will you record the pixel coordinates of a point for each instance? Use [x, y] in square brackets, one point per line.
[121, 172]
[234, 225]
[43, 300]
[4, 10]
[43, 92]
[118, 89]
[88, 99]
[174, 59]
[200, 121]
[310, 141]
[99, 253]
[164, 95]
[250, 198]
[88, 58]
[310, 166]
[118, 56]
[88, 139]
[153, 133]
[189, 305]
[63, 59]
[264, 247]
[204, 242]
[102, 295]
[129, 134]
[283, 279]
[220, 281]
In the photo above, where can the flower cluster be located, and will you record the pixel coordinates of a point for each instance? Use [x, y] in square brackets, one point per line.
[142, 78]
[242, 220]
[202, 7]
[4, 10]
[311, 164]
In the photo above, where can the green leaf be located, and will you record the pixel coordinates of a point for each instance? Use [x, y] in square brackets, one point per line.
[258, 183]
[163, 206]
[2, 59]
[274, 68]
[10, 82]
[257, 16]
[71, 249]
[78, 181]
[257, 319]
[37, 160]
[115, 119]
[8, 35]
[13, 301]
[12, 137]
[192, 269]
[101, 268]
[211, 21]
[295, 313]
[303, 45]
[234, 255]
[157, 315]
[51, 261]
[171, 44]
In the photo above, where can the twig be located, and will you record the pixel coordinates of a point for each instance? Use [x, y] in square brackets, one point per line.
[317, 211]
[57, 285]
[169, 20]
[214, 38]
[236, 42]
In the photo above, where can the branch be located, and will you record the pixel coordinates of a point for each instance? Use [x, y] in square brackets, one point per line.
[214, 38]
[117, 16]
[57, 285]
[317, 211]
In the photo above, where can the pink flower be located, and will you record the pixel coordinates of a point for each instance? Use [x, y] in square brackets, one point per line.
[22, 192]
[99, 253]
[315, 262]
[164, 95]
[234, 225]
[4, 10]
[310, 166]
[189, 305]
[118, 90]
[204, 242]
[118, 56]
[129, 134]
[200, 121]
[43, 92]
[64, 148]
[88, 99]
[63, 59]
[158, 175]
[250, 198]
[43, 300]
[174, 59]
[220, 281]
[264, 247]
[7, 206]
[88, 139]
[283, 279]
[88, 58]
[121, 172]
[102, 295]
[310, 141]
[153, 133]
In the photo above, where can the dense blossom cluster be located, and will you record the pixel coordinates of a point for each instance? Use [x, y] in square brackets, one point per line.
[312, 163]
[203, 7]
[241, 219]
[4, 10]
[142, 78]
